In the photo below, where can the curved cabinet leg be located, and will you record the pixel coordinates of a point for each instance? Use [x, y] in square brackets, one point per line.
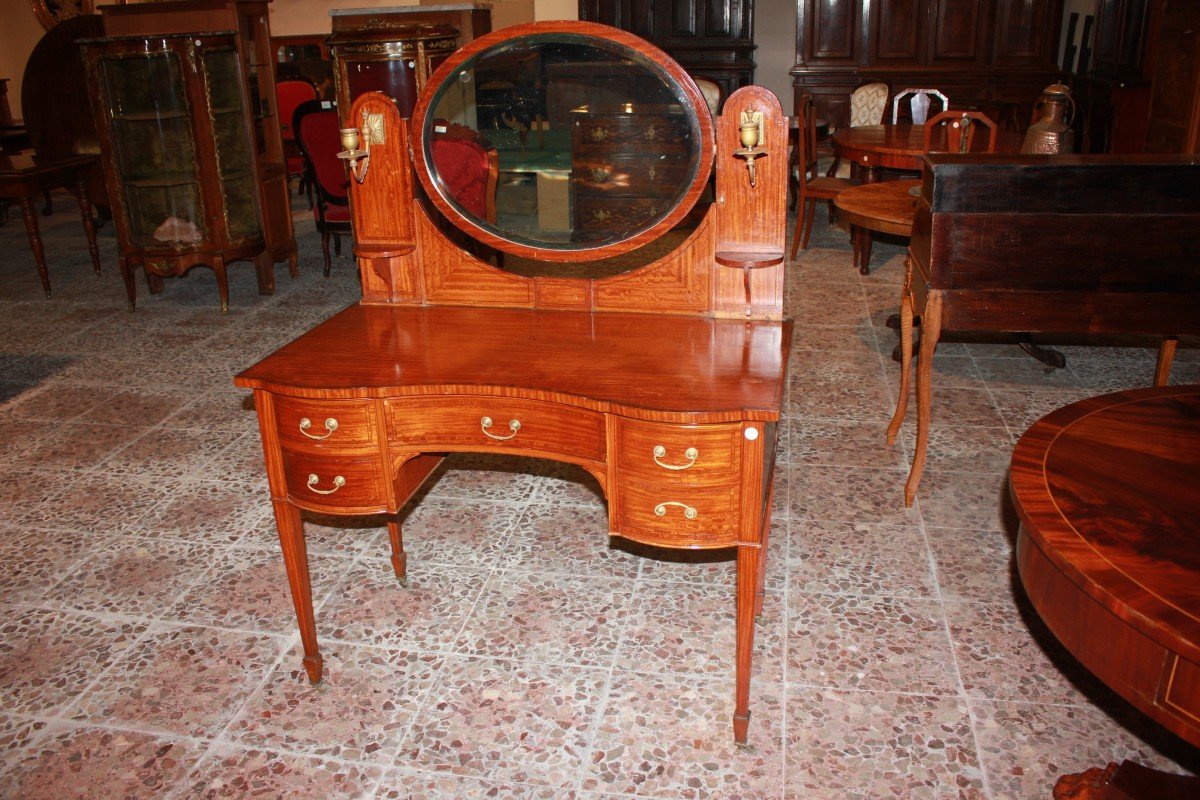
[130, 283]
[85, 208]
[295, 558]
[399, 559]
[906, 328]
[748, 557]
[1166, 354]
[218, 267]
[931, 324]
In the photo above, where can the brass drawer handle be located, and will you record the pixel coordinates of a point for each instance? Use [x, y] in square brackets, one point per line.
[691, 454]
[600, 174]
[514, 425]
[331, 425]
[660, 510]
[313, 480]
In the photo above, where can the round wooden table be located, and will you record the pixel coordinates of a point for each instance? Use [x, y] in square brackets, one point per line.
[884, 207]
[875, 147]
[1108, 493]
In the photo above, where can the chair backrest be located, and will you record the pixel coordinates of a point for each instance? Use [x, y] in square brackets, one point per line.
[288, 97]
[919, 105]
[806, 122]
[318, 134]
[469, 166]
[713, 95]
[867, 104]
[960, 130]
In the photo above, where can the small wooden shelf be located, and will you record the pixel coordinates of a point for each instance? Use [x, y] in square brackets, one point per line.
[749, 260]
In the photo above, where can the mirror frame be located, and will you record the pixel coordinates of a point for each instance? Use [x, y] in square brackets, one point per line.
[470, 225]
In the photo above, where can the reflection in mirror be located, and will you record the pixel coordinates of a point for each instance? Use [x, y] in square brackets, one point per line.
[589, 142]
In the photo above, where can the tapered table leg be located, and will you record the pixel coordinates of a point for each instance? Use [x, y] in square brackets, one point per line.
[85, 208]
[747, 588]
[35, 241]
[295, 558]
[399, 559]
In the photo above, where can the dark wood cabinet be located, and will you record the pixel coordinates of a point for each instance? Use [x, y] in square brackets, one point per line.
[1174, 120]
[1112, 98]
[710, 38]
[996, 56]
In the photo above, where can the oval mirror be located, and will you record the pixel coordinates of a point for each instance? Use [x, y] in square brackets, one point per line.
[562, 141]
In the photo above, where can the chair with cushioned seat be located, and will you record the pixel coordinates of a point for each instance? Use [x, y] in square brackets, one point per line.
[318, 136]
[289, 95]
[469, 166]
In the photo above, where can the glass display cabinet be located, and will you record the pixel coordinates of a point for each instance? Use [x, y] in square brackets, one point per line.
[386, 54]
[647, 346]
[223, 96]
[173, 122]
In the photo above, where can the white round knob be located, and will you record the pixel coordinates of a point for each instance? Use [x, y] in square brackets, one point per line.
[751, 434]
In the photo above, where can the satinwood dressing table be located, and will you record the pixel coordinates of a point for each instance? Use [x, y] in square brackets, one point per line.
[664, 380]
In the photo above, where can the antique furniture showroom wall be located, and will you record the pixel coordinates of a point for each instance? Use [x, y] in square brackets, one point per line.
[626, 329]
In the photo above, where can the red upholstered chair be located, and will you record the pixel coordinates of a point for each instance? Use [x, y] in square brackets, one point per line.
[288, 97]
[319, 139]
[469, 167]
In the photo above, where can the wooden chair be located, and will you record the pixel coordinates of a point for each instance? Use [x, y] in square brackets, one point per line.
[867, 104]
[960, 130]
[918, 105]
[318, 137]
[289, 95]
[812, 186]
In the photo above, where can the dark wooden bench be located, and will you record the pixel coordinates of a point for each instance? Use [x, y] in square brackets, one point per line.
[1049, 244]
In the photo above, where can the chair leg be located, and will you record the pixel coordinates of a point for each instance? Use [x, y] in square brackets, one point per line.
[809, 212]
[801, 204]
[1166, 354]
[325, 250]
[337, 244]
[931, 330]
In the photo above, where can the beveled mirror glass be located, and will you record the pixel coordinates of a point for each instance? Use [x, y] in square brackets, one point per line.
[563, 145]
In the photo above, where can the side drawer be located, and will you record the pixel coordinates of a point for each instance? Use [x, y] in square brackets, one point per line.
[679, 454]
[327, 482]
[327, 424]
[496, 422]
[671, 516]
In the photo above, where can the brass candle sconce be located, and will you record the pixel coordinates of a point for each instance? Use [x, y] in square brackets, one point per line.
[750, 129]
[371, 132]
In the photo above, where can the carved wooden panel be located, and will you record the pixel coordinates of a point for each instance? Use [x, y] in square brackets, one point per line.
[957, 29]
[1025, 33]
[828, 31]
[898, 30]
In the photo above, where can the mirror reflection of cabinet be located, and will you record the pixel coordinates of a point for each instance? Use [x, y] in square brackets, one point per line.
[664, 378]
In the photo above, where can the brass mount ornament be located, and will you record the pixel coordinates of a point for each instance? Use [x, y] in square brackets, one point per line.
[750, 129]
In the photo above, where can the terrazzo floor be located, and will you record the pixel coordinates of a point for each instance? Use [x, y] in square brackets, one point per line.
[147, 639]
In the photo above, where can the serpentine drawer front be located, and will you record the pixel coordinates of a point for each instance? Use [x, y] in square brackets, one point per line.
[325, 424]
[678, 483]
[319, 481]
[500, 422]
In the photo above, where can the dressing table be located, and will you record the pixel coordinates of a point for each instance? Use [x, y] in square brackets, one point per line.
[663, 378]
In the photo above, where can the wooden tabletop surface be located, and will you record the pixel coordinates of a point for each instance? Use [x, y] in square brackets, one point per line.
[24, 164]
[1108, 492]
[906, 143]
[653, 366]
[886, 206]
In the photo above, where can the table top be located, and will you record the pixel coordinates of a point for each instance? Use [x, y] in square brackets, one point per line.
[21, 165]
[671, 368]
[1109, 490]
[885, 206]
[907, 142]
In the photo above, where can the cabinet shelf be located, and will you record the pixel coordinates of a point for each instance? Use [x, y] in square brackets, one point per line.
[150, 116]
[164, 181]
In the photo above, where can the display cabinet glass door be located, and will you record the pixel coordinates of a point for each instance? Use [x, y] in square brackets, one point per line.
[235, 165]
[154, 149]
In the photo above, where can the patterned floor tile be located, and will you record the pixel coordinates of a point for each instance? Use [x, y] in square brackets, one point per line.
[867, 745]
[672, 737]
[427, 611]
[883, 644]
[975, 500]
[456, 532]
[407, 785]
[506, 721]
[843, 444]
[548, 618]
[187, 681]
[233, 773]
[359, 712]
[88, 763]
[47, 657]
[569, 539]
[213, 512]
[33, 558]
[973, 565]
[851, 495]
[849, 558]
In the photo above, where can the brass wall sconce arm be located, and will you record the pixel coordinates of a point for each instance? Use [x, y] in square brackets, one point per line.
[750, 129]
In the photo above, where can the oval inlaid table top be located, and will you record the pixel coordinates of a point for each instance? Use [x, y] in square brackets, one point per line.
[902, 146]
[1108, 492]
[886, 206]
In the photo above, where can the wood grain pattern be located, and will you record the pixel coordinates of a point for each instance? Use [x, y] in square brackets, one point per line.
[1042, 244]
[1108, 491]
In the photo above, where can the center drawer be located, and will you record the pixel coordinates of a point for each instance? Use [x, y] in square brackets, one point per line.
[503, 423]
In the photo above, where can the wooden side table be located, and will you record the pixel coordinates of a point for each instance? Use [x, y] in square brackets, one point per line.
[885, 207]
[1108, 493]
[26, 175]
